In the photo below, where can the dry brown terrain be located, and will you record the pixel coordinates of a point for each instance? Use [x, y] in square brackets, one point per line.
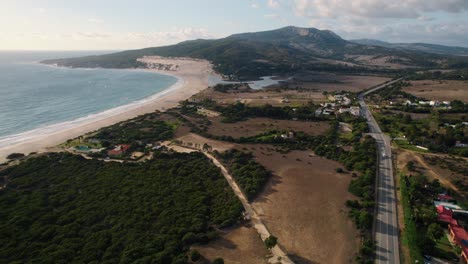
[276, 97]
[379, 61]
[450, 171]
[303, 205]
[255, 126]
[336, 83]
[238, 246]
[439, 90]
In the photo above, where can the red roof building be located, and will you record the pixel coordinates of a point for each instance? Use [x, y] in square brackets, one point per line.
[445, 197]
[460, 237]
[119, 150]
[445, 215]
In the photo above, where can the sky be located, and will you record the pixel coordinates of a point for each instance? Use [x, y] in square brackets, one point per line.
[125, 24]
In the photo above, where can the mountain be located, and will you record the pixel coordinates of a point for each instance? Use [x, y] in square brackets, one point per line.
[424, 47]
[280, 51]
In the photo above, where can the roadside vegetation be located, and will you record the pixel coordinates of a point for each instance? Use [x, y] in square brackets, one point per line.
[423, 234]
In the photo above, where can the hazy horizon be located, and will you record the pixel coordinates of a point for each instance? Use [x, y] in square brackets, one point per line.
[120, 25]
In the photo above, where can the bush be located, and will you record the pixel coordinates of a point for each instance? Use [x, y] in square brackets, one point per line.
[218, 261]
[271, 242]
[195, 256]
[14, 156]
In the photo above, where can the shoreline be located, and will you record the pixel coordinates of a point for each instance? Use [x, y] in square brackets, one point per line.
[192, 77]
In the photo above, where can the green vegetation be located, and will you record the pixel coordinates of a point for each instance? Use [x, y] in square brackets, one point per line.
[422, 230]
[239, 111]
[218, 261]
[14, 156]
[147, 129]
[249, 174]
[431, 132]
[62, 208]
[409, 235]
[271, 241]
[231, 87]
[461, 75]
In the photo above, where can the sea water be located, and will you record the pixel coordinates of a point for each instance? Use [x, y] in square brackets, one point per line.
[36, 98]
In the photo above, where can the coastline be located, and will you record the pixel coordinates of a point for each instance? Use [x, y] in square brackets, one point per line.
[192, 77]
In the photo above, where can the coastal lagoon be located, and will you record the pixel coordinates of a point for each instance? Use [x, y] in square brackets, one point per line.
[36, 98]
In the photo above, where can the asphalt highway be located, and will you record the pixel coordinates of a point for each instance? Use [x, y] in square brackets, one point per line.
[385, 224]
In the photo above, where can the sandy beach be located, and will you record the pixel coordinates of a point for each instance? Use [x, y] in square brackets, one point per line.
[192, 77]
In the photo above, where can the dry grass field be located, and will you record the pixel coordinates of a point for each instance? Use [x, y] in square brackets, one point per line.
[336, 83]
[439, 90]
[241, 245]
[255, 126]
[303, 205]
[276, 97]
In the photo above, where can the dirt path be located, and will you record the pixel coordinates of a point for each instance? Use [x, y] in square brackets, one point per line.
[279, 256]
[431, 173]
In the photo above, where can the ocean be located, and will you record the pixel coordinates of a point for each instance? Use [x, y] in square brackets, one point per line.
[36, 98]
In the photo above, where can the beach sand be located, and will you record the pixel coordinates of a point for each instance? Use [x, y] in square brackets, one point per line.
[193, 77]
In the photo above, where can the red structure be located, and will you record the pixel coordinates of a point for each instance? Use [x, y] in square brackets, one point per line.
[460, 237]
[118, 151]
[445, 197]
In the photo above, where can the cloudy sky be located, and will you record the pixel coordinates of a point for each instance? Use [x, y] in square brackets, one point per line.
[125, 24]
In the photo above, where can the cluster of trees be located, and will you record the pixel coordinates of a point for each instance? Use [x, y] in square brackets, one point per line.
[394, 90]
[239, 111]
[461, 74]
[249, 174]
[422, 228]
[147, 128]
[231, 87]
[62, 208]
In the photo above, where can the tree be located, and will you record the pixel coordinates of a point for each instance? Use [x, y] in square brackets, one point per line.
[271, 242]
[218, 261]
[195, 255]
[410, 165]
[434, 231]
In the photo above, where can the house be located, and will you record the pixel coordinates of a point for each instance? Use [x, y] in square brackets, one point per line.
[355, 110]
[447, 205]
[119, 150]
[445, 215]
[443, 197]
[460, 237]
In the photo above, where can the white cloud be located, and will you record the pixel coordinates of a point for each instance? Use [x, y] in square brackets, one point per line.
[273, 4]
[40, 10]
[102, 40]
[377, 8]
[95, 20]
